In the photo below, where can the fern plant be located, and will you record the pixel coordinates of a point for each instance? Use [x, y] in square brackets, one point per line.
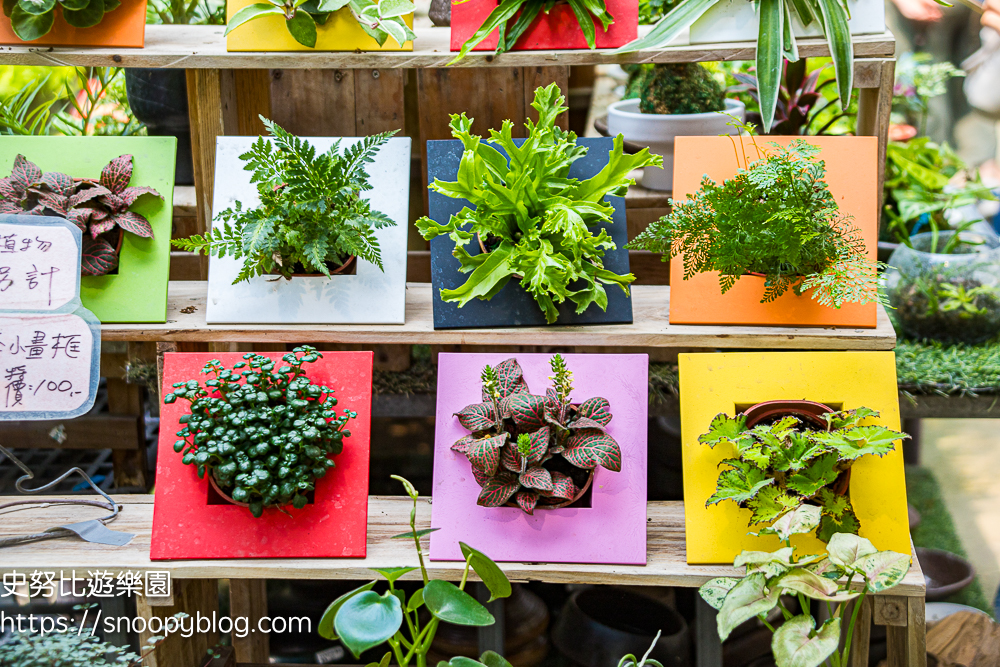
[775, 217]
[311, 216]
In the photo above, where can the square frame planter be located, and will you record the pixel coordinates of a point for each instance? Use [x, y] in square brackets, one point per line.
[341, 32]
[138, 292]
[732, 381]
[513, 306]
[556, 30]
[186, 525]
[736, 21]
[852, 175]
[618, 502]
[124, 26]
[371, 296]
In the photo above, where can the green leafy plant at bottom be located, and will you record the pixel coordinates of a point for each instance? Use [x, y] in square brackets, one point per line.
[363, 619]
[535, 222]
[265, 435]
[33, 19]
[787, 465]
[381, 20]
[775, 217]
[851, 569]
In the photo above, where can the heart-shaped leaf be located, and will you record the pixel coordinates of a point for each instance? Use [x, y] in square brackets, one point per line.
[808, 583]
[883, 570]
[462, 444]
[37, 7]
[746, 600]
[367, 619]
[58, 183]
[527, 410]
[589, 448]
[537, 477]
[393, 573]
[478, 416]
[24, 173]
[135, 223]
[447, 602]
[117, 173]
[799, 521]
[129, 195]
[714, 592]
[326, 621]
[845, 549]
[29, 27]
[497, 491]
[98, 257]
[485, 453]
[794, 647]
[768, 562]
[87, 191]
[597, 409]
[87, 17]
[491, 574]
[527, 501]
[562, 486]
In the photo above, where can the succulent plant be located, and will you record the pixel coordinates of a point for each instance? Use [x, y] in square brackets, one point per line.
[96, 207]
[679, 88]
[265, 435]
[528, 448]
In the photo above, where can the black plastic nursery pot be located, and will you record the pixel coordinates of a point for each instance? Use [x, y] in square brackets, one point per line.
[598, 626]
[513, 306]
[158, 98]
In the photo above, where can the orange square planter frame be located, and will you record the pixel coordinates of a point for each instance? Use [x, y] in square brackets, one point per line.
[125, 26]
[851, 173]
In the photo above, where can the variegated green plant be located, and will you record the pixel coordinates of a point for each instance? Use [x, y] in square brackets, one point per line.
[520, 440]
[851, 569]
[786, 465]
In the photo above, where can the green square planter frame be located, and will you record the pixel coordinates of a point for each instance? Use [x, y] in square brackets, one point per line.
[138, 292]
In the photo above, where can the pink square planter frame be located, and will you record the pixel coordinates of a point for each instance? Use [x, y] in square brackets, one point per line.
[611, 531]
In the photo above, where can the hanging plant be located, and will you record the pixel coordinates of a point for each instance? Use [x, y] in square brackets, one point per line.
[100, 208]
[537, 451]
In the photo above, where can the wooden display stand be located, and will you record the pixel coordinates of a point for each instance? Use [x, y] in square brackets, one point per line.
[364, 93]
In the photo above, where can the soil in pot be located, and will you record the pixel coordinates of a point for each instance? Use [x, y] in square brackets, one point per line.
[219, 496]
[348, 268]
[158, 98]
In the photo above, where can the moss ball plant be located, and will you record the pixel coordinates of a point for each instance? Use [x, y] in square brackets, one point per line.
[265, 434]
[679, 88]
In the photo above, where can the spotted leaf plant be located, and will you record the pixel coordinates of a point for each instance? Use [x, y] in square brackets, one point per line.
[851, 569]
[99, 207]
[533, 450]
[788, 464]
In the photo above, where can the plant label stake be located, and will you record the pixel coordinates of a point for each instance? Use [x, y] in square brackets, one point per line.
[49, 349]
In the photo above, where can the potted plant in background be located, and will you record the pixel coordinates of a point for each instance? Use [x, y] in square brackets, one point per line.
[99, 207]
[946, 286]
[508, 25]
[363, 619]
[262, 435]
[549, 245]
[793, 454]
[540, 452]
[325, 25]
[776, 220]
[851, 570]
[311, 219]
[674, 99]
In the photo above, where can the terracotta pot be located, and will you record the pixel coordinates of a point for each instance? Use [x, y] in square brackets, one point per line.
[222, 494]
[333, 272]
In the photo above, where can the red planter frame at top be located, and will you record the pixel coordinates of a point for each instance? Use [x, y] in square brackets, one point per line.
[188, 524]
[556, 30]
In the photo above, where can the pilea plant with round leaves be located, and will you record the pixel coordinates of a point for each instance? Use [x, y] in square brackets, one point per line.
[784, 465]
[100, 208]
[851, 569]
[264, 431]
[33, 19]
[537, 451]
[363, 619]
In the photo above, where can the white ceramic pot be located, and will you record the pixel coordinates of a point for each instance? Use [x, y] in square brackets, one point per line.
[658, 131]
[736, 21]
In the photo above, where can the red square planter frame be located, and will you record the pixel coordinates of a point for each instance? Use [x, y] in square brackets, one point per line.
[556, 30]
[186, 525]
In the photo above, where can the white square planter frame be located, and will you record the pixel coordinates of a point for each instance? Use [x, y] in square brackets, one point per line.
[369, 297]
[736, 21]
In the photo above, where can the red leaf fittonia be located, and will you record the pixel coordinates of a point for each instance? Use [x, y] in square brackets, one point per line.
[96, 207]
[524, 448]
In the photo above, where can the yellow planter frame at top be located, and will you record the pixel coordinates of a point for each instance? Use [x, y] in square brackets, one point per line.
[729, 382]
[341, 32]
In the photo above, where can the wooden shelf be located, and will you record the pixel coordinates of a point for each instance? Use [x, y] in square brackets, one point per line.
[387, 516]
[204, 47]
[186, 322]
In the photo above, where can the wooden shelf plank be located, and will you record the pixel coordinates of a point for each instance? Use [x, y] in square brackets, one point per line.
[201, 47]
[186, 322]
[387, 516]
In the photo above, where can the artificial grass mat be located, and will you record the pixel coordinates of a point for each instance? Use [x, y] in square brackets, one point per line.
[937, 531]
[933, 368]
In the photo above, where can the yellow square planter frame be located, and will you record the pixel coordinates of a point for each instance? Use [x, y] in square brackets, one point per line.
[341, 32]
[732, 382]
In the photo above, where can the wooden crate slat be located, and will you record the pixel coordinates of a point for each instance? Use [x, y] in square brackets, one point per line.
[387, 516]
[86, 432]
[204, 47]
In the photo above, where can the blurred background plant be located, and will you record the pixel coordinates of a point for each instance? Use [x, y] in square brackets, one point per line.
[75, 101]
[918, 79]
[193, 12]
[651, 11]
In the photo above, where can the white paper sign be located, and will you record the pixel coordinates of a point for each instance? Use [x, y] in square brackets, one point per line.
[39, 266]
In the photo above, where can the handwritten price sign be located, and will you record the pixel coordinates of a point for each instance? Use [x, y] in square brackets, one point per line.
[49, 345]
[37, 266]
